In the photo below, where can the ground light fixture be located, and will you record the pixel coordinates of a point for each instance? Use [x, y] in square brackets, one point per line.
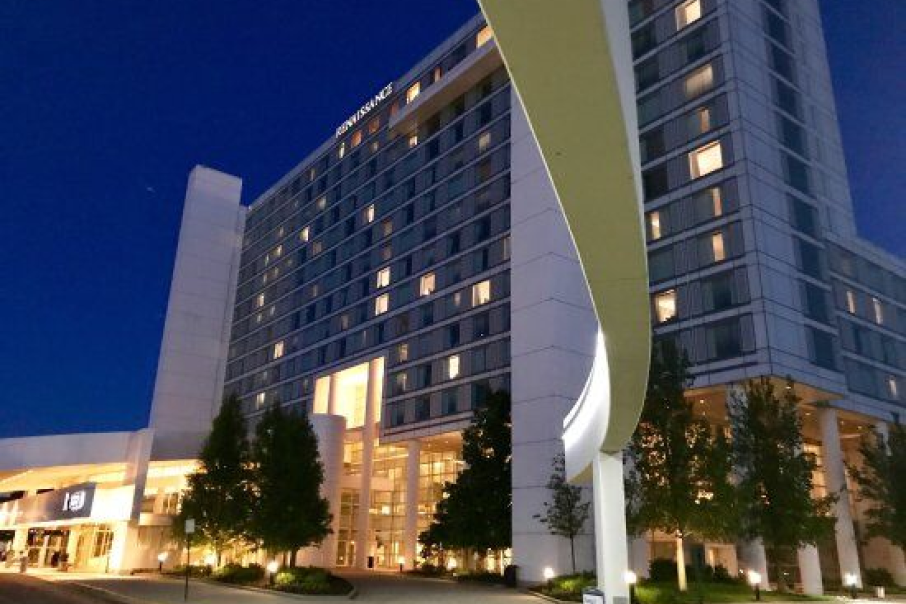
[210, 559]
[631, 579]
[754, 578]
[161, 558]
[402, 562]
[548, 573]
[272, 567]
[850, 580]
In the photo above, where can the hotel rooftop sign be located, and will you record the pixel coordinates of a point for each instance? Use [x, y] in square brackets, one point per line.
[365, 109]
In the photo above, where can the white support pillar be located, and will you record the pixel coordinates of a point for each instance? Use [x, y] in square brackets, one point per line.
[410, 539]
[639, 556]
[611, 547]
[810, 570]
[330, 430]
[333, 394]
[754, 558]
[372, 401]
[835, 478]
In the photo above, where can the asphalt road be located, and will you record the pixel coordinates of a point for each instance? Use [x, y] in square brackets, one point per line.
[19, 589]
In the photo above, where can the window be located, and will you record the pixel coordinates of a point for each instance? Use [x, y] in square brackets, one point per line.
[402, 352]
[304, 234]
[700, 121]
[342, 150]
[718, 253]
[437, 74]
[316, 248]
[278, 350]
[878, 310]
[484, 141]
[665, 306]
[850, 301]
[705, 160]
[387, 228]
[368, 214]
[688, 13]
[892, 387]
[413, 92]
[449, 401]
[484, 36]
[452, 364]
[259, 400]
[322, 202]
[716, 201]
[699, 81]
[373, 125]
[381, 304]
[654, 225]
[383, 278]
[427, 284]
[356, 138]
[413, 139]
[481, 293]
[259, 301]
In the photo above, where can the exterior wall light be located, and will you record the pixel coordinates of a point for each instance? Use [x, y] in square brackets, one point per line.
[631, 579]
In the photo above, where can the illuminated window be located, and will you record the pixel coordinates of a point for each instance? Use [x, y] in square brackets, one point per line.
[484, 36]
[322, 202]
[665, 306]
[317, 247]
[278, 350]
[481, 293]
[654, 224]
[342, 150]
[688, 13]
[356, 139]
[413, 92]
[383, 278]
[436, 74]
[892, 387]
[717, 247]
[717, 205]
[426, 284]
[701, 121]
[381, 304]
[453, 367]
[387, 228]
[413, 139]
[699, 81]
[259, 301]
[259, 400]
[706, 159]
[369, 214]
[304, 234]
[312, 173]
[851, 301]
[373, 125]
[879, 311]
[484, 141]
[402, 352]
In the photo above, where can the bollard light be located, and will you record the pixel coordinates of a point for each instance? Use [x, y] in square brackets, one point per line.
[631, 579]
[272, 567]
[548, 573]
[210, 559]
[754, 578]
[851, 581]
[161, 558]
[402, 562]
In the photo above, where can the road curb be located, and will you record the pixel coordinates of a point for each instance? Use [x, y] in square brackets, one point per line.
[106, 594]
[351, 595]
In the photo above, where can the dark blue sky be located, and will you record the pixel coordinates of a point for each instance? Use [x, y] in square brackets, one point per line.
[106, 106]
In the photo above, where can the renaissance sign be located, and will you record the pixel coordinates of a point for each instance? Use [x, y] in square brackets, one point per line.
[365, 109]
[62, 504]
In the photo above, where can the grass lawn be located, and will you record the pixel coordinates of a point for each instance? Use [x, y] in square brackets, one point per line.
[569, 589]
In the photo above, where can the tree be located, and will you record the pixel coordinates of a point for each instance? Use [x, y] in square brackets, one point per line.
[678, 478]
[289, 512]
[880, 480]
[476, 511]
[775, 472]
[218, 496]
[566, 513]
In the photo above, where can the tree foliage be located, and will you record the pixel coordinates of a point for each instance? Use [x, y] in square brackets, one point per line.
[219, 495]
[289, 512]
[775, 472]
[567, 511]
[476, 512]
[678, 480]
[881, 483]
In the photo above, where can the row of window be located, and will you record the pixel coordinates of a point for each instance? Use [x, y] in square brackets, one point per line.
[473, 361]
[706, 295]
[695, 253]
[716, 341]
[447, 402]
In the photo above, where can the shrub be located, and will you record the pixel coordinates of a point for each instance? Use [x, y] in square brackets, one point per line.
[236, 573]
[481, 577]
[310, 580]
[429, 570]
[878, 577]
[569, 587]
[196, 570]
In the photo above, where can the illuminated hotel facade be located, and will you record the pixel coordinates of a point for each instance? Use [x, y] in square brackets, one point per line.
[418, 260]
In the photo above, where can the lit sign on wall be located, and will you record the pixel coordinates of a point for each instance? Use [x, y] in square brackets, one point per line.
[61, 504]
[376, 100]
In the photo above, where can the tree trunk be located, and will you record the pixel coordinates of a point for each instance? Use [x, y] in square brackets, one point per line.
[572, 551]
[680, 562]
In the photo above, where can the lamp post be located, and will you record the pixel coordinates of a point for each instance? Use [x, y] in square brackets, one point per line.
[851, 580]
[755, 581]
[272, 568]
[161, 558]
[631, 579]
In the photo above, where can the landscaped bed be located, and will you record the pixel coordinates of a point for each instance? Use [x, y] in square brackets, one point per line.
[307, 580]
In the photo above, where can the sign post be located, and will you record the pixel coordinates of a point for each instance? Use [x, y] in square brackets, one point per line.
[190, 528]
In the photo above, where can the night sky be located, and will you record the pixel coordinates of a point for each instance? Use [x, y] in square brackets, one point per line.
[106, 106]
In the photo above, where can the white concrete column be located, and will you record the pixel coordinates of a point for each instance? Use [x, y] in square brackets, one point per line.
[363, 522]
[835, 478]
[410, 540]
[810, 570]
[754, 558]
[330, 430]
[20, 540]
[639, 556]
[611, 548]
[333, 394]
